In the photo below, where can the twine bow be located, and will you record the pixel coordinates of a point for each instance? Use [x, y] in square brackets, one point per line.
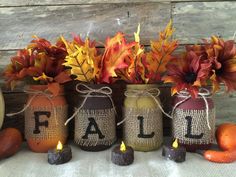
[36, 93]
[105, 91]
[203, 93]
[153, 93]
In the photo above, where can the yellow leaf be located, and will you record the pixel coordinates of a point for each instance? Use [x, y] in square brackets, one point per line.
[82, 59]
[136, 35]
[43, 77]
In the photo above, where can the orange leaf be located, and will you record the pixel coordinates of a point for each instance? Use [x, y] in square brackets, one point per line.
[161, 51]
[54, 88]
[116, 50]
[62, 77]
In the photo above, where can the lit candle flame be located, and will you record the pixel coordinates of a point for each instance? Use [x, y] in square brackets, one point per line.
[122, 147]
[59, 146]
[175, 144]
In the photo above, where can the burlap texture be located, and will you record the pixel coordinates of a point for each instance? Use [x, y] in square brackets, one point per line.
[105, 119]
[199, 125]
[152, 122]
[56, 127]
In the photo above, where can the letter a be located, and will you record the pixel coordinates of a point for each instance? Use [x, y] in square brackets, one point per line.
[89, 130]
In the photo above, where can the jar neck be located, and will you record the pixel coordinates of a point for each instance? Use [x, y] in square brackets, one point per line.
[202, 93]
[140, 86]
[36, 89]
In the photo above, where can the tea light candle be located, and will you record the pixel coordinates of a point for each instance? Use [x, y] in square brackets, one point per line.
[175, 152]
[60, 154]
[122, 155]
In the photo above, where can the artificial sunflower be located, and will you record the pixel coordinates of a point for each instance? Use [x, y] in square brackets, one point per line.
[187, 72]
[222, 55]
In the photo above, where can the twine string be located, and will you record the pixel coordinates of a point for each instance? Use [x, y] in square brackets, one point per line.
[152, 93]
[106, 91]
[36, 93]
[203, 93]
[234, 35]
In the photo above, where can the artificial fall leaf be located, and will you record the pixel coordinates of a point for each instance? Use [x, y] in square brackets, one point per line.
[43, 78]
[63, 77]
[135, 72]
[83, 59]
[136, 69]
[54, 88]
[161, 53]
[115, 54]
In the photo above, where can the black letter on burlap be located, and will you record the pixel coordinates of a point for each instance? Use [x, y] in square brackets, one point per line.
[189, 129]
[89, 130]
[38, 123]
[141, 134]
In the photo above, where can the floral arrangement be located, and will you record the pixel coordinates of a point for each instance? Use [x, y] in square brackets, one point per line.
[149, 67]
[44, 63]
[212, 63]
[39, 63]
[120, 59]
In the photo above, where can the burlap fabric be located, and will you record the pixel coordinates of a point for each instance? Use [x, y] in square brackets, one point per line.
[152, 122]
[198, 126]
[105, 119]
[56, 127]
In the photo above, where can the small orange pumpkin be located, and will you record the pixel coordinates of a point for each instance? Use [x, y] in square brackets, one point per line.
[10, 142]
[225, 136]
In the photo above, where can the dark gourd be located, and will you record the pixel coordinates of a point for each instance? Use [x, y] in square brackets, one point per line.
[10, 142]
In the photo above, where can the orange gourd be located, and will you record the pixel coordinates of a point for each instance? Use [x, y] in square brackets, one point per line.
[226, 139]
[10, 142]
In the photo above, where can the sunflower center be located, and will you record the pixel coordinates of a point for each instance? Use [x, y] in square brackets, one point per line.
[219, 71]
[190, 77]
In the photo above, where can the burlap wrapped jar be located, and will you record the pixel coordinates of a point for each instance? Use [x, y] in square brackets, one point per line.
[95, 125]
[142, 127]
[44, 118]
[194, 120]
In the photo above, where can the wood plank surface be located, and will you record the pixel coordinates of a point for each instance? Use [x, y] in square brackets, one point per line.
[73, 2]
[5, 58]
[225, 107]
[67, 2]
[196, 20]
[18, 24]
